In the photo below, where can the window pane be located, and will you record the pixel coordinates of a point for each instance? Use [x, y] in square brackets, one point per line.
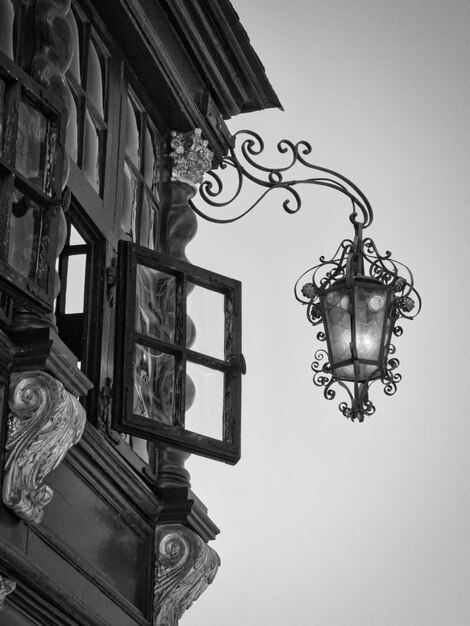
[25, 228]
[7, 17]
[71, 144]
[205, 415]
[155, 304]
[207, 311]
[2, 113]
[140, 447]
[129, 202]
[75, 63]
[148, 223]
[94, 83]
[31, 143]
[153, 384]
[75, 238]
[151, 163]
[74, 296]
[132, 137]
[91, 153]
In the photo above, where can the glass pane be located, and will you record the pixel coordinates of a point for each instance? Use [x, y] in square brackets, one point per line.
[94, 82]
[75, 63]
[155, 304]
[7, 17]
[132, 136]
[338, 323]
[74, 296]
[75, 238]
[151, 162]
[25, 228]
[71, 143]
[148, 223]
[154, 373]
[140, 447]
[91, 145]
[207, 311]
[129, 202]
[31, 143]
[204, 415]
[370, 306]
[2, 113]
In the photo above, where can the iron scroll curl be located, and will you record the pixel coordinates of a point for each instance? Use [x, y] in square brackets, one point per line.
[243, 163]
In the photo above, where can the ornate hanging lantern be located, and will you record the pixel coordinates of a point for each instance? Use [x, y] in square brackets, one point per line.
[358, 296]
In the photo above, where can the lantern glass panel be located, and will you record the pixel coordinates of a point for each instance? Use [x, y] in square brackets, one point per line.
[364, 307]
[337, 318]
[155, 304]
[154, 373]
[370, 305]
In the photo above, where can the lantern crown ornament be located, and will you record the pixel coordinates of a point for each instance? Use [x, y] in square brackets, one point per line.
[359, 295]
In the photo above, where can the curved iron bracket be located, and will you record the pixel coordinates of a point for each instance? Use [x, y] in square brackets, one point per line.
[224, 184]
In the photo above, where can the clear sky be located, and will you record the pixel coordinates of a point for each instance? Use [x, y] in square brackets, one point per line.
[326, 522]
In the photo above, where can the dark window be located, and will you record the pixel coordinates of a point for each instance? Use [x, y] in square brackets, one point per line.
[172, 384]
[140, 214]
[29, 186]
[88, 81]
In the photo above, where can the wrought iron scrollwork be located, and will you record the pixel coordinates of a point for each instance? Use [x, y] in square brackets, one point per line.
[243, 162]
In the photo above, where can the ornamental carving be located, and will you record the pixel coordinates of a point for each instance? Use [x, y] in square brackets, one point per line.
[190, 156]
[6, 587]
[45, 421]
[185, 566]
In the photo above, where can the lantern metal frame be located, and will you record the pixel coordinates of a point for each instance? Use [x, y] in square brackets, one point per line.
[359, 260]
[356, 261]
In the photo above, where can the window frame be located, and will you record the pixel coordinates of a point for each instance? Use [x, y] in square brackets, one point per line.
[20, 86]
[226, 449]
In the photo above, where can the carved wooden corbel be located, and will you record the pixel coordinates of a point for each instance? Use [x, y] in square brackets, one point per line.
[6, 587]
[45, 421]
[191, 158]
[185, 566]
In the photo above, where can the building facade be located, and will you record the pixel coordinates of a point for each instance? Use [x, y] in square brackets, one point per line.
[118, 358]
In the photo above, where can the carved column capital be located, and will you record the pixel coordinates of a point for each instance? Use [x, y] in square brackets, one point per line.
[6, 587]
[185, 566]
[190, 156]
[45, 421]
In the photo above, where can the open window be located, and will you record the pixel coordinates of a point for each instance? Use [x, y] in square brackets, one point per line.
[70, 306]
[178, 360]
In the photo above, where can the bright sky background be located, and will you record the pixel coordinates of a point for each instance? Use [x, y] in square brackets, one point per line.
[326, 522]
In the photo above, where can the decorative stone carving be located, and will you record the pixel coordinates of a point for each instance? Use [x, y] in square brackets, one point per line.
[191, 157]
[6, 587]
[185, 566]
[45, 421]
